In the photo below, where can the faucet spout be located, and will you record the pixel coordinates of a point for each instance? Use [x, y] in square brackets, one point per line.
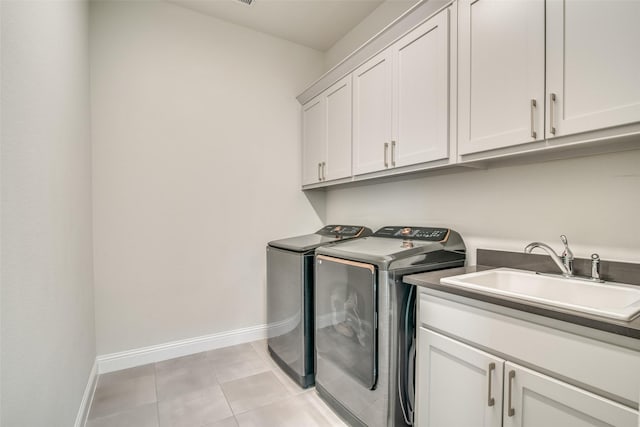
[554, 257]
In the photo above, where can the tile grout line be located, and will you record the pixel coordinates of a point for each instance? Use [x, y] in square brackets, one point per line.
[279, 373]
[226, 399]
[290, 389]
[155, 383]
[270, 369]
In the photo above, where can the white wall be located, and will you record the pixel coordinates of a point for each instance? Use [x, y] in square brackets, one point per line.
[196, 162]
[48, 341]
[593, 200]
[382, 16]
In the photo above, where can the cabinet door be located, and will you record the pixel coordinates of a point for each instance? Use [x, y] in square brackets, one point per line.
[421, 93]
[593, 65]
[314, 136]
[372, 114]
[501, 73]
[458, 385]
[338, 100]
[540, 401]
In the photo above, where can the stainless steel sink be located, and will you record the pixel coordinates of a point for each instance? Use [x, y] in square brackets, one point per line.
[611, 300]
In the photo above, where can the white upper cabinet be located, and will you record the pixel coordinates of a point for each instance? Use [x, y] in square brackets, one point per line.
[326, 135]
[314, 144]
[590, 65]
[372, 114]
[338, 107]
[401, 101]
[478, 79]
[421, 94]
[501, 63]
[593, 65]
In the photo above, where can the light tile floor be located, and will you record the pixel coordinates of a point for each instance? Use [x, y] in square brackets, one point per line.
[237, 386]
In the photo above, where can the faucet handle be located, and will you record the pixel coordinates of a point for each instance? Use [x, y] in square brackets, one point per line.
[567, 255]
[567, 252]
[595, 267]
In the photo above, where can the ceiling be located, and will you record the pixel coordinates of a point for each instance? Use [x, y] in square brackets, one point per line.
[318, 24]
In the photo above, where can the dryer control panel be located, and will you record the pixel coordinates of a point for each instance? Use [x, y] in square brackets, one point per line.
[342, 231]
[429, 234]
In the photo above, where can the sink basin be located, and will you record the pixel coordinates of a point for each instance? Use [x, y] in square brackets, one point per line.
[609, 299]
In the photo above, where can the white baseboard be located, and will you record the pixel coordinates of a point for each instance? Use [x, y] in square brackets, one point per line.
[87, 397]
[157, 353]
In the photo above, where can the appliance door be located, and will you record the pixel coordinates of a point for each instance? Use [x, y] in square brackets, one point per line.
[346, 317]
[406, 352]
[289, 311]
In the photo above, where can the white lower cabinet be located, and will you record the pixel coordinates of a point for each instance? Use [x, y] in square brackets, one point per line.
[532, 399]
[459, 385]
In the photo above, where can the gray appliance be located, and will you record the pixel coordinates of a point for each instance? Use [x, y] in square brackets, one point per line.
[290, 297]
[365, 320]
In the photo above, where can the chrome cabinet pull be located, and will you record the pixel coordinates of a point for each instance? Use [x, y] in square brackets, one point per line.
[319, 172]
[490, 400]
[512, 375]
[552, 102]
[324, 171]
[393, 153]
[533, 111]
[386, 149]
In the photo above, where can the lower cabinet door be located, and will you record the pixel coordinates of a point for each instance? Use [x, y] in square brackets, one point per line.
[532, 399]
[458, 385]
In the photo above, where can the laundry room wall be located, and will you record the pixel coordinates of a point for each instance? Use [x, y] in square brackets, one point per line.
[196, 158]
[593, 200]
[47, 311]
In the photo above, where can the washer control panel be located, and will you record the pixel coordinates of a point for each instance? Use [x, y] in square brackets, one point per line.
[341, 230]
[429, 234]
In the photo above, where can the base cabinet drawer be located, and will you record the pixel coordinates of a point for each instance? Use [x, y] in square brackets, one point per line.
[462, 386]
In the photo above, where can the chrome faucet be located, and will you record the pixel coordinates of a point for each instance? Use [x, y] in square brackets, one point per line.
[563, 261]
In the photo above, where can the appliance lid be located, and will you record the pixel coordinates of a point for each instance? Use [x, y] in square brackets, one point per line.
[325, 236]
[403, 247]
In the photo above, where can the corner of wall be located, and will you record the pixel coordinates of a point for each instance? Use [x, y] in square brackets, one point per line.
[87, 396]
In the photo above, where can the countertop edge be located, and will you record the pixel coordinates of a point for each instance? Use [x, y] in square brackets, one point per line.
[431, 280]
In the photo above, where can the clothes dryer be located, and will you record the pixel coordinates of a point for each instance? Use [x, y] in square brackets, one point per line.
[365, 320]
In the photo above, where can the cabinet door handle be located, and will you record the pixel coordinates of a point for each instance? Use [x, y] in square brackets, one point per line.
[393, 153]
[319, 172]
[511, 411]
[490, 400]
[324, 171]
[386, 150]
[552, 103]
[533, 112]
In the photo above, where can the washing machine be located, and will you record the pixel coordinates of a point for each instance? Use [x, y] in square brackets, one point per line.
[365, 320]
[290, 305]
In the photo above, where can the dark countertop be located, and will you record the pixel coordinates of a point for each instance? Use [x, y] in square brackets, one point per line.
[431, 280]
